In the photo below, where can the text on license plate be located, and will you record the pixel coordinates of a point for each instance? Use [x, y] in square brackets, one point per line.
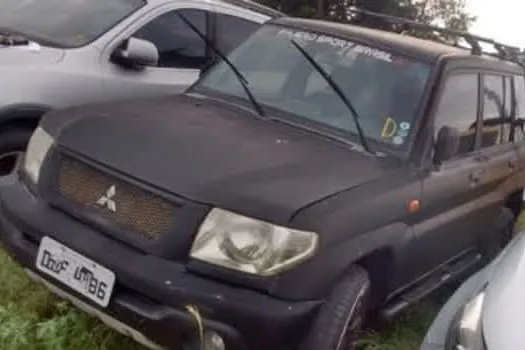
[81, 274]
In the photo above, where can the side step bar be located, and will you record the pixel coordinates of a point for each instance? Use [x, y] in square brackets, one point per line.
[441, 276]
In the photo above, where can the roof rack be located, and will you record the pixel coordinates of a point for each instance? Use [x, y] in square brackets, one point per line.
[505, 52]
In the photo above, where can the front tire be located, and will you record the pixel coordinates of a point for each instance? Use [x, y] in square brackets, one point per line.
[13, 144]
[342, 316]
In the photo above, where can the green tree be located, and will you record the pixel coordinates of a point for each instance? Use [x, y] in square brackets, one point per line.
[451, 14]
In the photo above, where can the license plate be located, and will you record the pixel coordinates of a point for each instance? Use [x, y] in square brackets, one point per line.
[81, 274]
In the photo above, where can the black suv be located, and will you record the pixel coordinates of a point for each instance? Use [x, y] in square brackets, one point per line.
[319, 172]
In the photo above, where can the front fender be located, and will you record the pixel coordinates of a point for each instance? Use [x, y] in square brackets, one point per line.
[315, 278]
[58, 86]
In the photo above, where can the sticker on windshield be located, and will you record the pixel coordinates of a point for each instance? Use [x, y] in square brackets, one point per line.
[402, 133]
[398, 140]
[389, 128]
[404, 126]
[345, 47]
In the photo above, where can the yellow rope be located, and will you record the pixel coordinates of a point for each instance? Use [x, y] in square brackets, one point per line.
[195, 313]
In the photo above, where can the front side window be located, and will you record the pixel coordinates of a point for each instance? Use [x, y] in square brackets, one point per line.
[231, 31]
[458, 108]
[384, 88]
[67, 24]
[178, 44]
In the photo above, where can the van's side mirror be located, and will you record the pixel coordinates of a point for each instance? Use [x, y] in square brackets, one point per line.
[447, 145]
[136, 53]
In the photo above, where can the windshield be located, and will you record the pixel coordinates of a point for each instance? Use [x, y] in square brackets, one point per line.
[64, 23]
[384, 88]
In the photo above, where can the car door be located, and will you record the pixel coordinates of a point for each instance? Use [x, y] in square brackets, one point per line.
[182, 53]
[455, 193]
[498, 154]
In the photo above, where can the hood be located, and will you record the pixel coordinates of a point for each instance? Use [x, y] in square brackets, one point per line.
[504, 306]
[24, 55]
[215, 154]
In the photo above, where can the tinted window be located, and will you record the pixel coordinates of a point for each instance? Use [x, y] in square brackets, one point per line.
[519, 83]
[384, 87]
[508, 92]
[231, 31]
[179, 46]
[71, 23]
[495, 127]
[493, 99]
[458, 108]
[519, 87]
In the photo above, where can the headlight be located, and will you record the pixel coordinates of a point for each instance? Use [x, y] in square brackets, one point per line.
[39, 145]
[249, 245]
[466, 332]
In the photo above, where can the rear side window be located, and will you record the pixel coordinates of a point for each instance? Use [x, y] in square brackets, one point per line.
[519, 87]
[519, 84]
[232, 31]
[496, 122]
[458, 108]
[508, 92]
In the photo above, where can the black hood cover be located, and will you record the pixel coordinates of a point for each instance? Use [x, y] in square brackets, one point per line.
[214, 154]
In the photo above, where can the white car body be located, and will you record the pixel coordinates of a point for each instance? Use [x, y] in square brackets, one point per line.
[39, 77]
[487, 312]
[56, 54]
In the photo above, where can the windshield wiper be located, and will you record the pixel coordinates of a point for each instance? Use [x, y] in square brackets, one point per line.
[339, 93]
[238, 74]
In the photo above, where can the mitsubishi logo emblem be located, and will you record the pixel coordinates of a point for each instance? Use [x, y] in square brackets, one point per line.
[107, 199]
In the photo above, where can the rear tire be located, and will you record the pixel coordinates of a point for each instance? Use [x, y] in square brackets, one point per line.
[13, 144]
[342, 316]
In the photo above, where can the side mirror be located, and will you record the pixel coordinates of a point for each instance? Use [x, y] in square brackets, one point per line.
[136, 53]
[447, 144]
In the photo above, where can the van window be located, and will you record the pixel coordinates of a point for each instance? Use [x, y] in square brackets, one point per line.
[496, 122]
[179, 46]
[458, 108]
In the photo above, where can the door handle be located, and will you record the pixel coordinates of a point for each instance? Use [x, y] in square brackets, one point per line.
[513, 164]
[475, 176]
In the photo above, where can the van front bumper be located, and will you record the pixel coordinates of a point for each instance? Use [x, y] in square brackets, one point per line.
[151, 294]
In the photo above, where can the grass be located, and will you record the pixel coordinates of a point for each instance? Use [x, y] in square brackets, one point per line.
[33, 319]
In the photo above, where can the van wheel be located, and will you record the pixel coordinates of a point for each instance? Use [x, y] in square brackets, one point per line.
[342, 316]
[13, 144]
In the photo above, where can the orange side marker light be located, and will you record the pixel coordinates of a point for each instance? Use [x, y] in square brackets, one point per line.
[414, 205]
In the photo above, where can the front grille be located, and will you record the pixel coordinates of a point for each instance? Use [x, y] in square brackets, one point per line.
[129, 206]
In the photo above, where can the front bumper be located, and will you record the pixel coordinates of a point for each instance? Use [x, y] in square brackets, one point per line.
[151, 293]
